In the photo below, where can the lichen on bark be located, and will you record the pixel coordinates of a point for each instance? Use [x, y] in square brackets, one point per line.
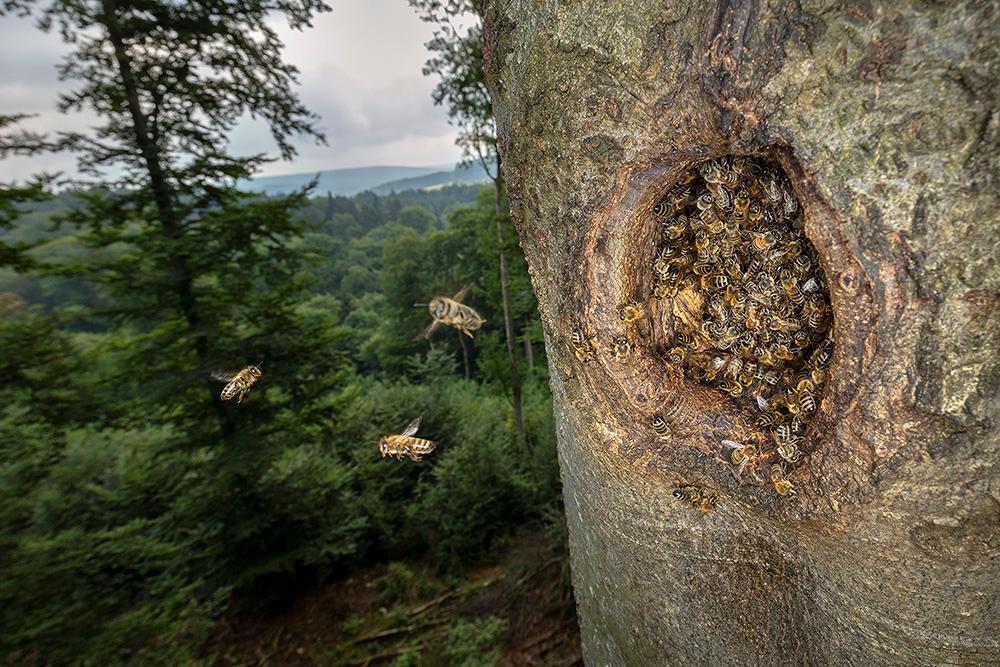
[884, 116]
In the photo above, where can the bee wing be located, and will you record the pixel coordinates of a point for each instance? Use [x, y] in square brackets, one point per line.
[762, 404]
[461, 293]
[411, 428]
[426, 333]
[731, 444]
[224, 376]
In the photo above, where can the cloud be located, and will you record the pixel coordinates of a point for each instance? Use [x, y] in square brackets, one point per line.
[360, 70]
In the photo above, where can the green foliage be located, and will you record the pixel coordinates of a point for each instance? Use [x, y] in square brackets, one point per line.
[475, 643]
[136, 507]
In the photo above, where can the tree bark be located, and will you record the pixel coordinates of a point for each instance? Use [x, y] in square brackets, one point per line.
[885, 119]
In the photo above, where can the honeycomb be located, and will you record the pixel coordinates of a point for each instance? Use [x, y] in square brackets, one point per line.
[750, 308]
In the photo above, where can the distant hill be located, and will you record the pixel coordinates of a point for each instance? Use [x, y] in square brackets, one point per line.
[469, 175]
[380, 179]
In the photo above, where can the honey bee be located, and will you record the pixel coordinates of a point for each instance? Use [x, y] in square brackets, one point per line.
[782, 486]
[238, 383]
[773, 192]
[676, 355]
[405, 444]
[452, 312]
[581, 347]
[805, 397]
[661, 427]
[788, 447]
[662, 290]
[695, 497]
[622, 348]
[741, 455]
[630, 312]
[674, 229]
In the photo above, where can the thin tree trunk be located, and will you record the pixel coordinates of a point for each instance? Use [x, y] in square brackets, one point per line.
[162, 193]
[163, 198]
[465, 353]
[883, 116]
[529, 351]
[508, 323]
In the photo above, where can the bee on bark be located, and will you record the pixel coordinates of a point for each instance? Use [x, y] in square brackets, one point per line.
[581, 347]
[660, 427]
[696, 497]
[238, 383]
[782, 486]
[622, 348]
[677, 354]
[788, 444]
[741, 455]
[630, 312]
[405, 444]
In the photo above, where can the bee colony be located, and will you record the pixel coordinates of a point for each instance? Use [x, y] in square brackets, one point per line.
[748, 307]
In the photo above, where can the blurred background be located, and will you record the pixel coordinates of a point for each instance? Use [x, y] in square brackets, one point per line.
[188, 187]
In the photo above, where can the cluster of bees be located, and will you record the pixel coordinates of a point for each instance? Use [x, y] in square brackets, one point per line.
[750, 306]
[753, 316]
[444, 310]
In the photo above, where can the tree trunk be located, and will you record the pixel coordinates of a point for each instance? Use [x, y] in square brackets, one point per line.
[883, 116]
[163, 195]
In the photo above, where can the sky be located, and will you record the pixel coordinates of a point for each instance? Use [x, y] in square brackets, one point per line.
[360, 70]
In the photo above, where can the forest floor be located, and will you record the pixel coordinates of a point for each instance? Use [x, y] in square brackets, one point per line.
[404, 614]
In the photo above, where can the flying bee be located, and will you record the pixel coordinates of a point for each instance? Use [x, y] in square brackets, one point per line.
[661, 427]
[630, 312]
[405, 444]
[782, 486]
[622, 347]
[452, 312]
[238, 383]
[581, 347]
[741, 455]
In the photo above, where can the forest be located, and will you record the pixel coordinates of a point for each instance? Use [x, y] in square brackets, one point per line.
[145, 521]
[137, 511]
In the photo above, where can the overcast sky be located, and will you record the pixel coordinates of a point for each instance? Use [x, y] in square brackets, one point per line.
[360, 71]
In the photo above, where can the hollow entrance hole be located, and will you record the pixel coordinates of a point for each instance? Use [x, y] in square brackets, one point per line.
[739, 300]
